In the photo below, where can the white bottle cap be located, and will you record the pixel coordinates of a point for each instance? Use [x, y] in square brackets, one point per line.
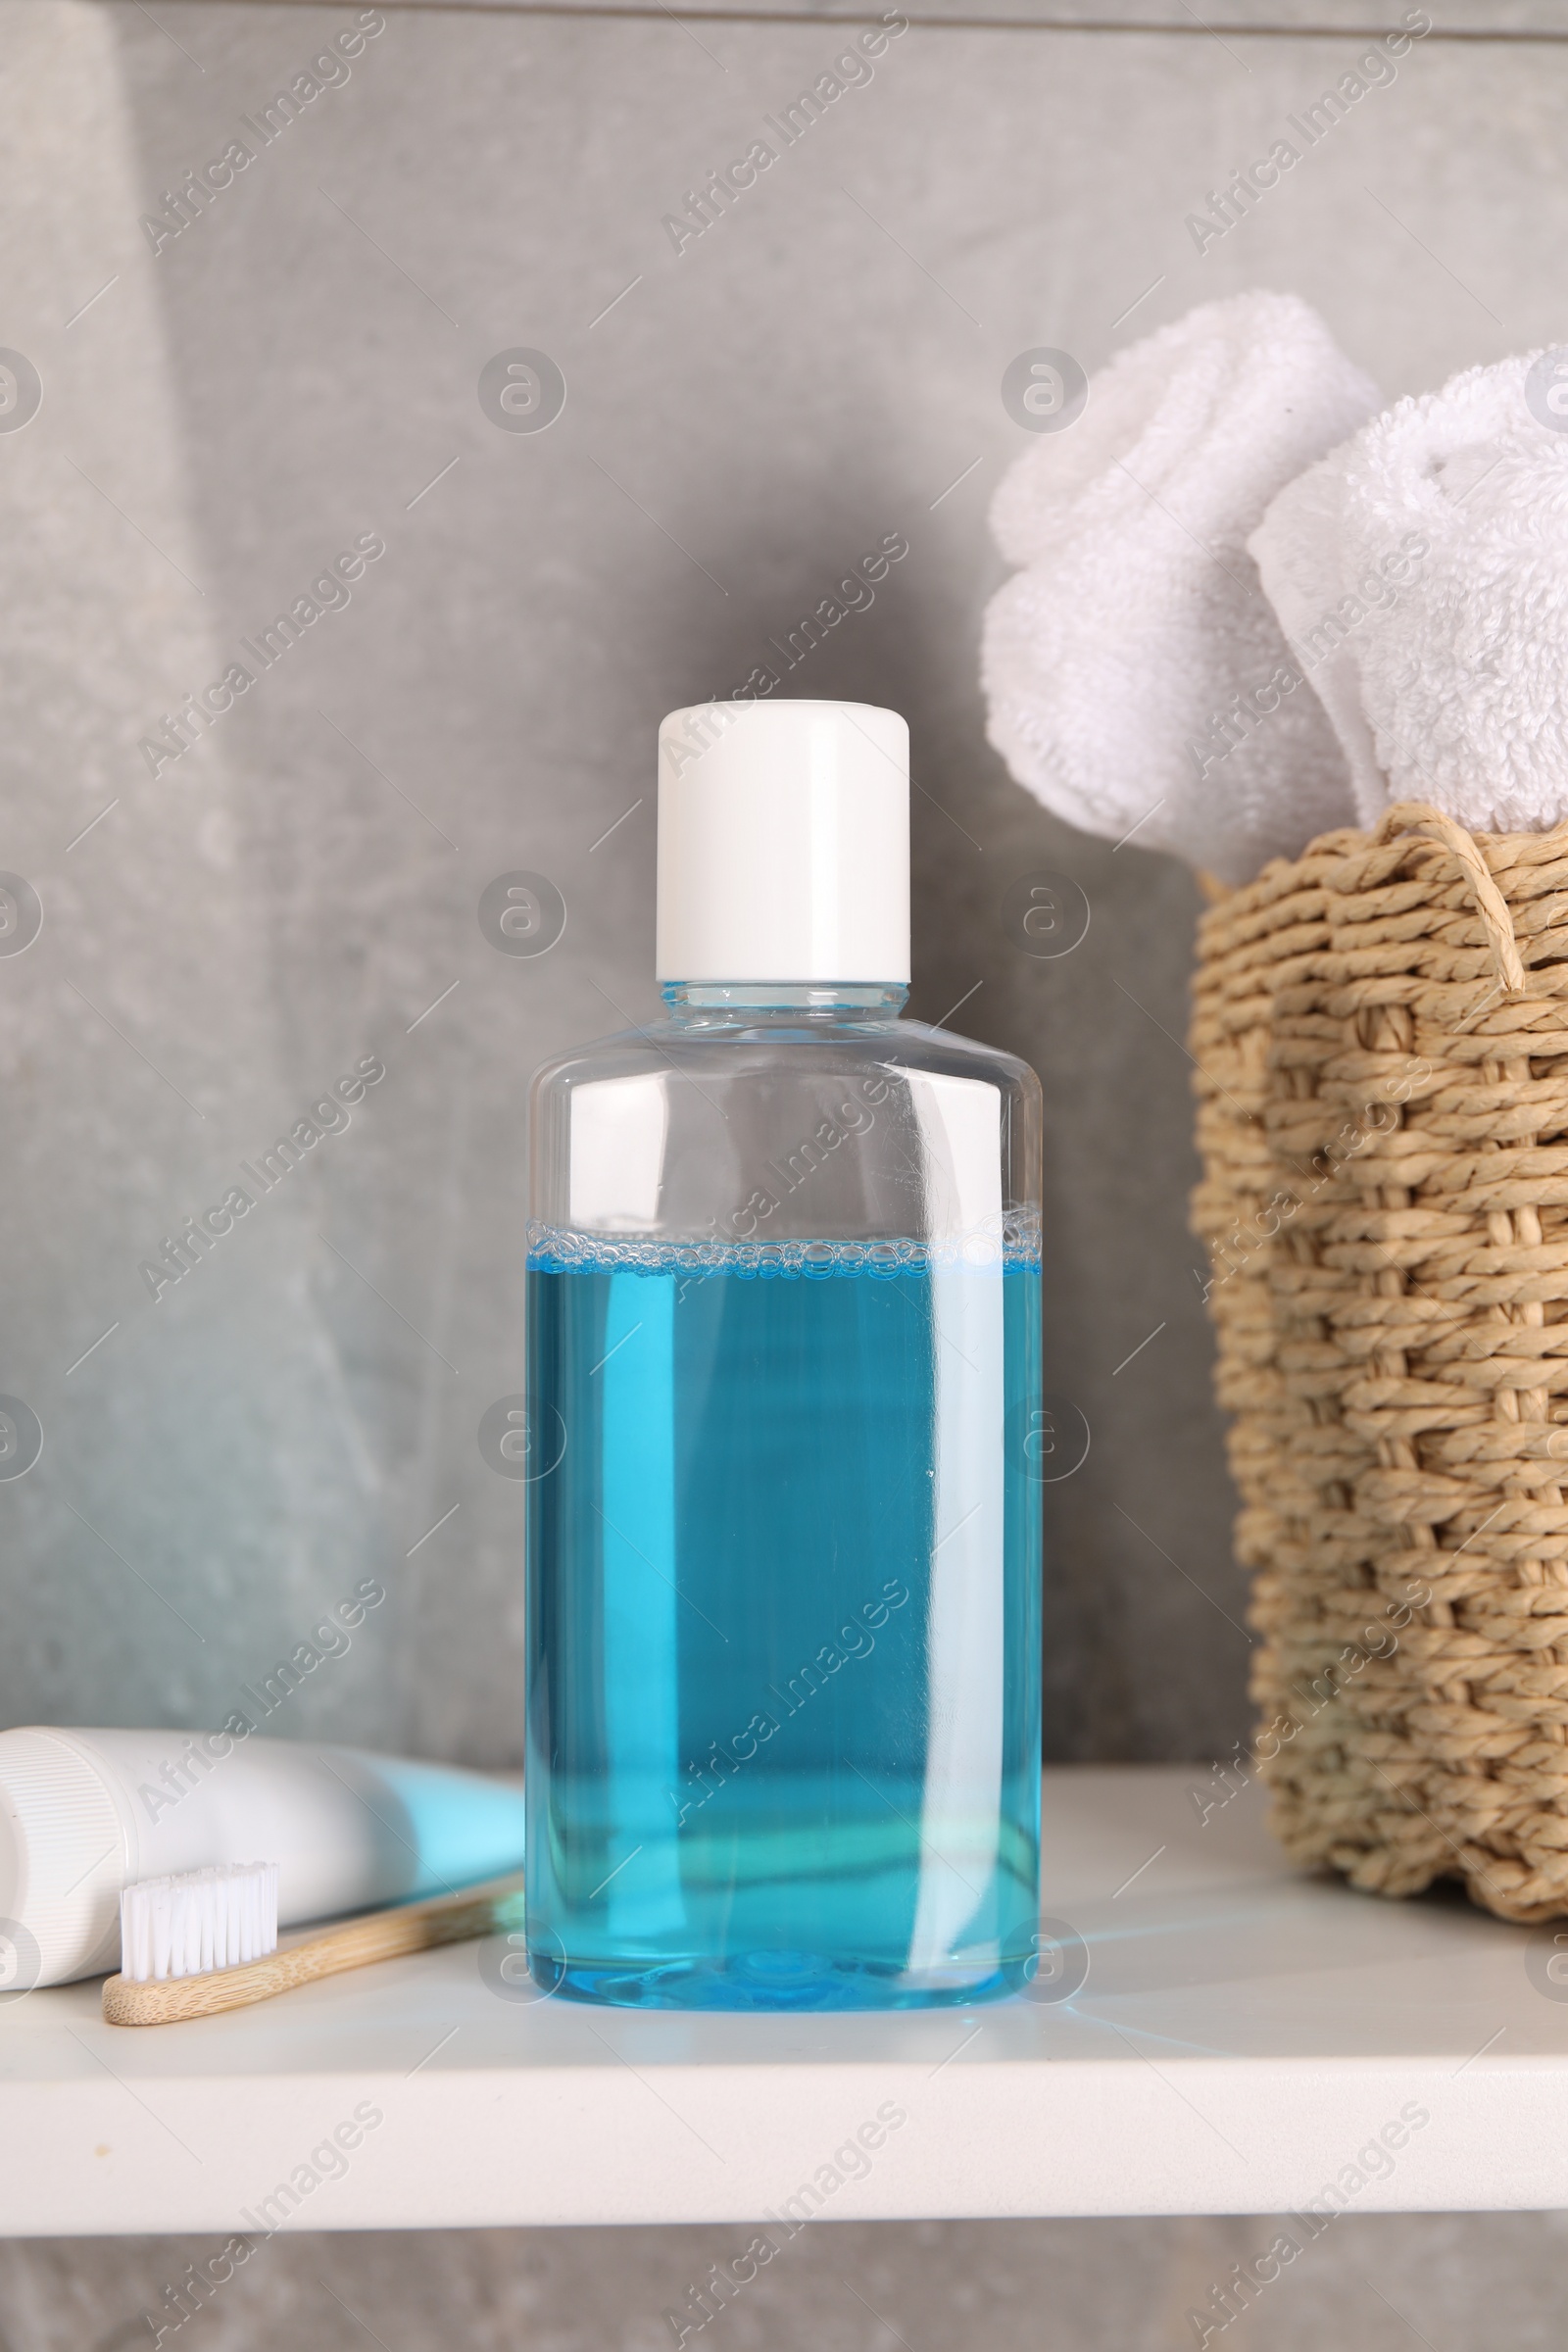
[784, 843]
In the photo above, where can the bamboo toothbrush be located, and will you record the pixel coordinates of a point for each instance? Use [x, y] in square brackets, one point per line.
[206, 1939]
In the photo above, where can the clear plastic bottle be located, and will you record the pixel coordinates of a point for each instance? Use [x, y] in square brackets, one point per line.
[783, 1702]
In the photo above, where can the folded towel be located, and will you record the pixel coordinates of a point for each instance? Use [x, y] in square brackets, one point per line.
[1134, 670]
[1458, 502]
[1299, 551]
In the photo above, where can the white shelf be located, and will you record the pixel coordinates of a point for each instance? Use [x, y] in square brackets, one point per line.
[1243, 2034]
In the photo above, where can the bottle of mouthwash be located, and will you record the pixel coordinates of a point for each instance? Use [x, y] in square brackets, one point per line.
[783, 1696]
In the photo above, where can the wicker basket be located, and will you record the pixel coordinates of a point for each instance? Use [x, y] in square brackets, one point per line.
[1381, 1035]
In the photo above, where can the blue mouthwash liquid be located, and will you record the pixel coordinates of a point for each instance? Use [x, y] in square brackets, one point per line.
[779, 1754]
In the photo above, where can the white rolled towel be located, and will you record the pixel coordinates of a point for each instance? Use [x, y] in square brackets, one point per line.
[1421, 574]
[1133, 665]
[1300, 552]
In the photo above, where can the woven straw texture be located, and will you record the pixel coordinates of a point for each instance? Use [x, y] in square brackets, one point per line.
[1381, 1037]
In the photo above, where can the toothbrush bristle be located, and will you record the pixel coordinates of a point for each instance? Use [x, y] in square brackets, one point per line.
[198, 1921]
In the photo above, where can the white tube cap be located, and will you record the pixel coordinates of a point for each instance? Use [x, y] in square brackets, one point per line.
[64, 1857]
[784, 843]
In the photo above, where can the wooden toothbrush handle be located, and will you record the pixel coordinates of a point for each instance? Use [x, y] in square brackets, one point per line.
[382, 1936]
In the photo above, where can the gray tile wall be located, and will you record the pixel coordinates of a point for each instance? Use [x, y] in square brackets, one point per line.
[299, 366]
[298, 890]
[1373, 2284]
